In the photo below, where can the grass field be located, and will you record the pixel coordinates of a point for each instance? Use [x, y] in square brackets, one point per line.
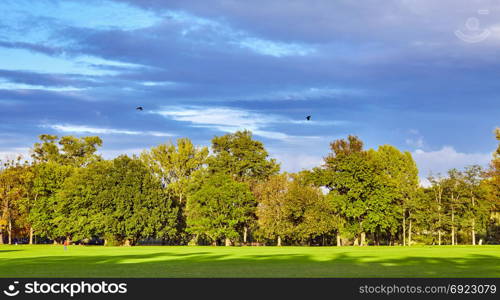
[152, 261]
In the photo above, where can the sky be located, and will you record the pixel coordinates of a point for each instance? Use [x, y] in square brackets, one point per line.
[422, 75]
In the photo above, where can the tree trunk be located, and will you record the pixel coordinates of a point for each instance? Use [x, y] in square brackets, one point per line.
[10, 231]
[409, 234]
[31, 235]
[339, 241]
[473, 224]
[245, 233]
[279, 241]
[404, 230]
[355, 242]
[439, 217]
[227, 242]
[452, 227]
[473, 232]
[363, 239]
[1, 236]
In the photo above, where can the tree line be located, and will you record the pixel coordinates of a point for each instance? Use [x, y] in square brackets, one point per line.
[235, 194]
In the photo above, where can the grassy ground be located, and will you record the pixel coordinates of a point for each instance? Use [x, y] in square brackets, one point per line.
[152, 261]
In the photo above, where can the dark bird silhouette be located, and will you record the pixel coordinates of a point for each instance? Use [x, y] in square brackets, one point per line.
[139, 108]
[308, 118]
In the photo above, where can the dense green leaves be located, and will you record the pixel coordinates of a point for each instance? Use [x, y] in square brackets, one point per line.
[244, 158]
[180, 193]
[219, 208]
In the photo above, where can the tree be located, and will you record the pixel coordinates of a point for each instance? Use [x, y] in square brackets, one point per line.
[133, 204]
[78, 214]
[312, 215]
[244, 159]
[68, 150]
[350, 171]
[272, 207]
[475, 205]
[174, 165]
[492, 186]
[11, 193]
[437, 187]
[398, 178]
[219, 208]
[48, 179]
[454, 192]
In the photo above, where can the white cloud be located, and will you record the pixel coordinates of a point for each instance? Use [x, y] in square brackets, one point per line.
[272, 48]
[296, 162]
[446, 158]
[230, 120]
[96, 130]
[110, 154]
[305, 94]
[193, 25]
[415, 142]
[13, 153]
[6, 85]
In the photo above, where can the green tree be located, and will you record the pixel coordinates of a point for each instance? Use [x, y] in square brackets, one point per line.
[476, 205]
[313, 216]
[174, 165]
[437, 207]
[67, 150]
[48, 180]
[272, 209]
[397, 191]
[244, 159]
[219, 208]
[11, 193]
[134, 205]
[78, 213]
[350, 178]
[454, 191]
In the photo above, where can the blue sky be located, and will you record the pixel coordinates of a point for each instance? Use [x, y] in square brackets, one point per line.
[421, 75]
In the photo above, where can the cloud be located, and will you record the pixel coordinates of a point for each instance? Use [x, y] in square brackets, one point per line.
[13, 153]
[96, 130]
[296, 162]
[231, 119]
[418, 142]
[446, 158]
[6, 85]
[110, 154]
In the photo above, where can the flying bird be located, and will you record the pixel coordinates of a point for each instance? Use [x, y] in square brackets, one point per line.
[139, 108]
[308, 118]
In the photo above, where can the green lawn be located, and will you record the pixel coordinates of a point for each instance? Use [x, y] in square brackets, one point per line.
[185, 261]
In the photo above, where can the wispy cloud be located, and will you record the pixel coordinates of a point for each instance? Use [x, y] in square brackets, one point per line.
[96, 130]
[231, 119]
[6, 85]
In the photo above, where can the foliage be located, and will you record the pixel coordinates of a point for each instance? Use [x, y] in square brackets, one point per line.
[219, 208]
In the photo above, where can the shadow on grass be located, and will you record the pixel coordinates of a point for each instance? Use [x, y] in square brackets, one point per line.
[4, 251]
[210, 264]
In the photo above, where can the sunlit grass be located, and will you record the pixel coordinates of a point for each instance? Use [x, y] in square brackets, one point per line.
[183, 261]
